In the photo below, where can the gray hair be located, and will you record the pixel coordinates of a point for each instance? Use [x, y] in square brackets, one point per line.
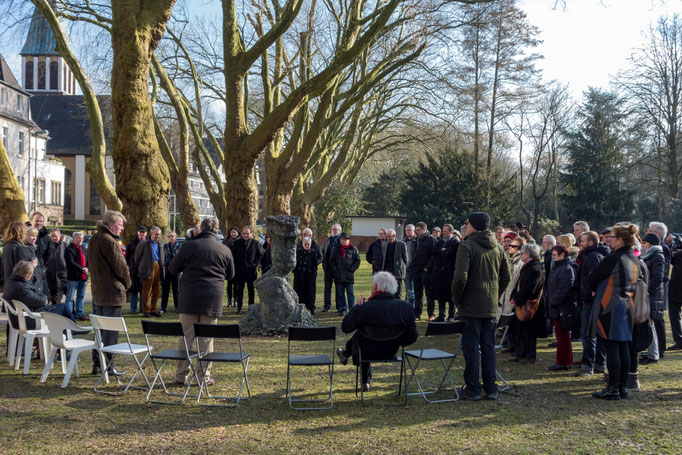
[154, 229]
[390, 232]
[337, 225]
[55, 230]
[385, 282]
[550, 238]
[76, 234]
[307, 230]
[111, 216]
[463, 228]
[411, 226]
[307, 240]
[659, 228]
[532, 249]
[209, 225]
[583, 225]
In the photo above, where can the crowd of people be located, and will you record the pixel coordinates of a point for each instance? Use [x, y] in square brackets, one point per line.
[585, 285]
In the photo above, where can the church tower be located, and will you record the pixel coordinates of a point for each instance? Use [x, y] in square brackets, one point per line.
[44, 70]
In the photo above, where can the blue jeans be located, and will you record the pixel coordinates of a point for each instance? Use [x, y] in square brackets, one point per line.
[594, 354]
[134, 297]
[79, 288]
[343, 290]
[409, 288]
[479, 335]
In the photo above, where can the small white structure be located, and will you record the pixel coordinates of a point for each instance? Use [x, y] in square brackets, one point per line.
[366, 228]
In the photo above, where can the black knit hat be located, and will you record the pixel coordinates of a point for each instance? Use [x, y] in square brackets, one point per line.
[479, 220]
[344, 235]
[142, 229]
[652, 239]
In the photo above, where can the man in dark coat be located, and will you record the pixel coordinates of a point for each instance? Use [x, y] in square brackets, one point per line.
[76, 276]
[593, 252]
[109, 277]
[305, 273]
[421, 268]
[328, 246]
[444, 254]
[149, 260]
[343, 263]
[675, 301]
[42, 244]
[205, 264]
[56, 267]
[394, 258]
[381, 310]
[136, 288]
[170, 281]
[246, 253]
[661, 231]
[373, 255]
[481, 276]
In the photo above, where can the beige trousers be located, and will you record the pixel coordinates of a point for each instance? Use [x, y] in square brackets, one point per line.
[205, 344]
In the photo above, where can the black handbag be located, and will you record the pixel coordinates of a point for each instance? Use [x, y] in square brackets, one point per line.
[569, 319]
[642, 336]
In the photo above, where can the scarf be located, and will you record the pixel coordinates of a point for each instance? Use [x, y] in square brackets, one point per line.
[343, 250]
[81, 261]
[652, 251]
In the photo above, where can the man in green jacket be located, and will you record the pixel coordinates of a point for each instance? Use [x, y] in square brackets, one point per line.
[481, 275]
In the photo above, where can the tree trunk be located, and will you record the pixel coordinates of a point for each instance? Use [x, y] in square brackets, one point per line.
[12, 207]
[142, 180]
[241, 193]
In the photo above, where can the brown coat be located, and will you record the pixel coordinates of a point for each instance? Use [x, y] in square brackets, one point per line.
[109, 276]
[145, 260]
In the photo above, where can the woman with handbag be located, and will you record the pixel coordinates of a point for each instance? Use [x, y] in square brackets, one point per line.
[526, 298]
[561, 297]
[614, 282]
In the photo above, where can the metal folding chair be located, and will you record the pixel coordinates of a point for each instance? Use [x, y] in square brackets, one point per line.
[369, 335]
[222, 331]
[434, 329]
[117, 324]
[168, 329]
[307, 334]
[503, 324]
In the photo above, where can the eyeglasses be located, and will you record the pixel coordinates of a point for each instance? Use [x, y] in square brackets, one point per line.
[609, 236]
[514, 246]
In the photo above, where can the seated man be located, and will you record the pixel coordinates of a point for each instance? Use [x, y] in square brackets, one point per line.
[382, 309]
[20, 288]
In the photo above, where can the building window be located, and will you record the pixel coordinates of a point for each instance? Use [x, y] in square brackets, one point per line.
[3, 97]
[54, 75]
[95, 200]
[67, 192]
[39, 187]
[21, 144]
[21, 181]
[41, 74]
[28, 74]
[20, 104]
[56, 188]
[5, 137]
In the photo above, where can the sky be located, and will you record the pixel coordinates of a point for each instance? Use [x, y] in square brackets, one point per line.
[585, 41]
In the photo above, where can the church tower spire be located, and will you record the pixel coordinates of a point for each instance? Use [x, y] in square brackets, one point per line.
[44, 70]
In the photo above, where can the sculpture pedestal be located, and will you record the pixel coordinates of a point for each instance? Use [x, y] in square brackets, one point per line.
[279, 307]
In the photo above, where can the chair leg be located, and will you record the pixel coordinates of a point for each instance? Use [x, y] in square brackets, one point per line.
[20, 349]
[69, 370]
[12, 346]
[44, 347]
[62, 353]
[48, 365]
[28, 347]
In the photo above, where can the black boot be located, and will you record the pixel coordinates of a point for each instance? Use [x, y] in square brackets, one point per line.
[608, 393]
[623, 391]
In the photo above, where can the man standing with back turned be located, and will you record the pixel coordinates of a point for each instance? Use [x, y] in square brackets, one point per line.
[481, 275]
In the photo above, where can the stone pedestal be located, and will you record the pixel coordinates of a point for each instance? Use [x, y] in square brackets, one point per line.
[279, 307]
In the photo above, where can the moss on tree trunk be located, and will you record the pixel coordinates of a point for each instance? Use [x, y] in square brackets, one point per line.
[12, 206]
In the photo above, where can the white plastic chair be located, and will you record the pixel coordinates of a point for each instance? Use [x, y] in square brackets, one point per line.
[27, 336]
[56, 325]
[13, 331]
[100, 323]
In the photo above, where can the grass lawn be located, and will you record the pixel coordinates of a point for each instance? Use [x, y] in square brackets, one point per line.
[543, 412]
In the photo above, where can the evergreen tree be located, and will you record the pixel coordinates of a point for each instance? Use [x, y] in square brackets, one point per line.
[594, 178]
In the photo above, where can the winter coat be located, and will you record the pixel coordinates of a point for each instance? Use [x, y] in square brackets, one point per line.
[614, 281]
[675, 292]
[529, 286]
[343, 267]
[205, 264]
[591, 258]
[515, 265]
[38, 280]
[56, 266]
[12, 253]
[399, 266]
[305, 273]
[667, 254]
[374, 255]
[109, 275]
[266, 259]
[563, 281]
[17, 288]
[655, 262]
[423, 253]
[132, 266]
[328, 246]
[246, 257]
[481, 275]
[411, 246]
[445, 255]
[144, 259]
[73, 267]
[169, 252]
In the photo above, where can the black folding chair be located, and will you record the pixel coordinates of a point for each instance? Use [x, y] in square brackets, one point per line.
[503, 324]
[371, 335]
[222, 331]
[168, 329]
[434, 329]
[305, 334]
